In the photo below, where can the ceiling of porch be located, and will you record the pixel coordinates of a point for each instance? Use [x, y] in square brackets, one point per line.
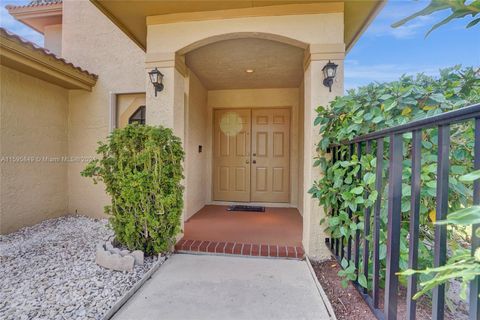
[224, 64]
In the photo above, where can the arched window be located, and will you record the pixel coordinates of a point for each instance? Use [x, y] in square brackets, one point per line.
[138, 116]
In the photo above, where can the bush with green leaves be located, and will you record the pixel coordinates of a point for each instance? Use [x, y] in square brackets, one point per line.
[462, 264]
[383, 105]
[141, 167]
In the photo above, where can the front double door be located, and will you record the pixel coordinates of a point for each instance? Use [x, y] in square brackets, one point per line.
[251, 155]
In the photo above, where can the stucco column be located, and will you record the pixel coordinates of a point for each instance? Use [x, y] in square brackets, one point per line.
[316, 94]
[168, 107]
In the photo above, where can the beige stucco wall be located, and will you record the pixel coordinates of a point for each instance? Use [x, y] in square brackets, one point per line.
[196, 134]
[301, 126]
[93, 42]
[257, 98]
[53, 38]
[312, 28]
[33, 123]
[316, 94]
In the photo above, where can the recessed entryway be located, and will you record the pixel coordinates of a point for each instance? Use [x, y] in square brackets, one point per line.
[251, 155]
[277, 232]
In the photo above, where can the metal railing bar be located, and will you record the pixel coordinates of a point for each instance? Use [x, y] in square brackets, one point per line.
[377, 312]
[475, 284]
[445, 118]
[342, 238]
[349, 240]
[393, 225]
[414, 222]
[337, 240]
[334, 159]
[366, 228]
[440, 244]
[376, 224]
[356, 242]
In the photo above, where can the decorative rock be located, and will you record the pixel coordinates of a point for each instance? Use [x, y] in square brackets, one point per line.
[115, 251]
[108, 245]
[115, 261]
[138, 256]
[124, 252]
[49, 271]
[119, 263]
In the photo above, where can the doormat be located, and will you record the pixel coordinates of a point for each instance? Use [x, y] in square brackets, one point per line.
[246, 208]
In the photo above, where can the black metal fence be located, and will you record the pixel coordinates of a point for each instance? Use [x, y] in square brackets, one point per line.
[359, 241]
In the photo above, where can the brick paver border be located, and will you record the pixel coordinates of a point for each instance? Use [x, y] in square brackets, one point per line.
[244, 249]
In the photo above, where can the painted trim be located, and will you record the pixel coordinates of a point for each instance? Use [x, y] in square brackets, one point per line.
[112, 105]
[18, 56]
[319, 52]
[241, 35]
[119, 24]
[264, 11]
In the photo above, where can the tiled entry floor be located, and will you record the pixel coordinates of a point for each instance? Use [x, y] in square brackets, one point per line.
[277, 232]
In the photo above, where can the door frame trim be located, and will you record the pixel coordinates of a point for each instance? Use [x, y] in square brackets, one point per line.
[271, 204]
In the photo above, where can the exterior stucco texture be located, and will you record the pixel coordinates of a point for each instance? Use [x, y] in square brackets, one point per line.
[33, 125]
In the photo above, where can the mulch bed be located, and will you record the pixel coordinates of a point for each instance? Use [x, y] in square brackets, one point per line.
[349, 304]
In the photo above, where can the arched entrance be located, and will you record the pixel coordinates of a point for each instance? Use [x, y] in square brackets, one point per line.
[244, 136]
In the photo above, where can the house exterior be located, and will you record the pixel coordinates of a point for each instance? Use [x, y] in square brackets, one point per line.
[242, 80]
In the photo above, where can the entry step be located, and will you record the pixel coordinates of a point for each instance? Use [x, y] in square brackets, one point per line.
[243, 249]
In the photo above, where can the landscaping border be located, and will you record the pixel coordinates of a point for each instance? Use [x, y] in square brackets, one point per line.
[113, 310]
[322, 293]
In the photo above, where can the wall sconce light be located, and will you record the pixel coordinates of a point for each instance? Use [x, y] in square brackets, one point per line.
[156, 77]
[329, 72]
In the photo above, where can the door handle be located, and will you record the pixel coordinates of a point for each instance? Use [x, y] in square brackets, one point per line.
[254, 161]
[247, 162]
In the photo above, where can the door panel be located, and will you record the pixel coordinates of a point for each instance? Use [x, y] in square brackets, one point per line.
[270, 155]
[231, 172]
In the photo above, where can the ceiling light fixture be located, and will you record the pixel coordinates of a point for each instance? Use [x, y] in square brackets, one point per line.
[249, 71]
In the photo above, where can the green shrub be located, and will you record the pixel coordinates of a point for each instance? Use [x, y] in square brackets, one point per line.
[383, 105]
[141, 167]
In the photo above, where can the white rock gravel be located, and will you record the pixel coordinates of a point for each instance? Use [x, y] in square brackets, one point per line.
[48, 271]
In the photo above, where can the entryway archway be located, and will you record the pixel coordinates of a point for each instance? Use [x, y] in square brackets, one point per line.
[244, 144]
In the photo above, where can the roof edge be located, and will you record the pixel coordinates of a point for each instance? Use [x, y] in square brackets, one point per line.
[40, 62]
[379, 6]
[120, 25]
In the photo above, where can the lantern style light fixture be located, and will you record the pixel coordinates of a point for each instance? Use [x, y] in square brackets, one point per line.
[156, 77]
[329, 72]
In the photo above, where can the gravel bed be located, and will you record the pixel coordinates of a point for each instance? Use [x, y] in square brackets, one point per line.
[48, 271]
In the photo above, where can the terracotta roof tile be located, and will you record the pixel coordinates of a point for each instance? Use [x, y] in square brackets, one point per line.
[34, 3]
[42, 50]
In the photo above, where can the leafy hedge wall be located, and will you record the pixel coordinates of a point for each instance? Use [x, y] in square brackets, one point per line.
[383, 105]
[141, 167]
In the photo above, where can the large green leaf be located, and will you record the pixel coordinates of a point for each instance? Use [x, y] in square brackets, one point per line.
[470, 177]
[465, 217]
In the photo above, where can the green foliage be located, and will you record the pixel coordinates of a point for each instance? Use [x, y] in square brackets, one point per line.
[459, 9]
[141, 167]
[462, 265]
[383, 105]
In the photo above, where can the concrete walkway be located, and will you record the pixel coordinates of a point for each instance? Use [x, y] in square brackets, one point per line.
[219, 287]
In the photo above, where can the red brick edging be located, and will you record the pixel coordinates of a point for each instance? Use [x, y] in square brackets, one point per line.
[263, 250]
